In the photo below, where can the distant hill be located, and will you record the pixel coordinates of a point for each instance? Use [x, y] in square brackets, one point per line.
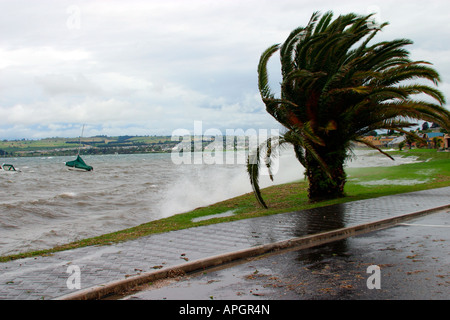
[91, 145]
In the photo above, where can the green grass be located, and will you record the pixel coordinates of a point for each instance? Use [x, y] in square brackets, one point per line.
[362, 184]
[432, 172]
[54, 143]
[19, 145]
[43, 144]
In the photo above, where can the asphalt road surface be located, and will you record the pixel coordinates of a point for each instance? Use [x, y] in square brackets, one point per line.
[406, 262]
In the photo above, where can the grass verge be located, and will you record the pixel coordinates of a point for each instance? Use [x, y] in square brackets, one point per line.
[432, 172]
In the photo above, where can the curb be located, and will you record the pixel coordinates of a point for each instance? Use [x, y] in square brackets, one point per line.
[119, 286]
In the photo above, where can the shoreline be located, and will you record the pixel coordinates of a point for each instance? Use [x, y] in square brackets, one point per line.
[281, 198]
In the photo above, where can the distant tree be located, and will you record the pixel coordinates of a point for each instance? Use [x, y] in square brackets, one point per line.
[436, 142]
[435, 125]
[425, 126]
[409, 140]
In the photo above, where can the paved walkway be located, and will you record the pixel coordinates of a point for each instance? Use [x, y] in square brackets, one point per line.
[107, 266]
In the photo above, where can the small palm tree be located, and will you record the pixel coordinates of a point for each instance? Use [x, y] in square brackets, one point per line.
[410, 139]
[436, 142]
[335, 88]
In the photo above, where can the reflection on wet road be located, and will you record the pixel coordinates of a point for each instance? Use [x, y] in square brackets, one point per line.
[413, 258]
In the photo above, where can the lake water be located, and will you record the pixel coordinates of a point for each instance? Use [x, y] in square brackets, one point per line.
[45, 204]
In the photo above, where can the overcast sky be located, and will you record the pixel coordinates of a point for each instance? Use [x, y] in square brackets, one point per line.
[150, 67]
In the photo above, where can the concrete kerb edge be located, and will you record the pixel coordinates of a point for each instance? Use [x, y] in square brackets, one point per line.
[120, 286]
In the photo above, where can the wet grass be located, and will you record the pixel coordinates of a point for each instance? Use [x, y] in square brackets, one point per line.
[363, 183]
[432, 172]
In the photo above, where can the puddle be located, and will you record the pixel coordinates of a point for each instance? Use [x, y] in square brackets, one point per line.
[399, 182]
[219, 215]
[426, 172]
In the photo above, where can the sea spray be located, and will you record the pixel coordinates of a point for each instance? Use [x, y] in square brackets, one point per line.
[200, 185]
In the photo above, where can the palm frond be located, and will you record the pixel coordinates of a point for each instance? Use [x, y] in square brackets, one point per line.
[371, 145]
[323, 23]
[270, 149]
[424, 89]
[286, 50]
[412, 135]
[263, 78]
[253, 161]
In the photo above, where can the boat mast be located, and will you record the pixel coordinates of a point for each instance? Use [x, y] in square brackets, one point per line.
[79, 145]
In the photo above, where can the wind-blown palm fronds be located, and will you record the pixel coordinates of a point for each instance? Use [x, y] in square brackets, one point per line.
[336, 88]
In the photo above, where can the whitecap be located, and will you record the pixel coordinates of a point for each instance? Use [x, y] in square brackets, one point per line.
[68, 195]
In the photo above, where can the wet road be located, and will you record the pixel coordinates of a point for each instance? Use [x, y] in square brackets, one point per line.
[413, 261]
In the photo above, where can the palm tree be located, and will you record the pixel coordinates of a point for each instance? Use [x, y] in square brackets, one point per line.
[410, 139]
[436, 142]
[336, 88]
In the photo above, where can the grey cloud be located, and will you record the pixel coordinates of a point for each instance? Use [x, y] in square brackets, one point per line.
[59, 84]
[171, 62]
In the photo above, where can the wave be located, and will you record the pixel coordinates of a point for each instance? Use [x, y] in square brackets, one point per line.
[207, 184]
[67, 195]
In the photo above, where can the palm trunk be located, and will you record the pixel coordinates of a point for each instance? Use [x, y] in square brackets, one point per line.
[321, 186]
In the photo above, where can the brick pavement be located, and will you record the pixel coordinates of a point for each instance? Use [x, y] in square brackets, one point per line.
[46, 277]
